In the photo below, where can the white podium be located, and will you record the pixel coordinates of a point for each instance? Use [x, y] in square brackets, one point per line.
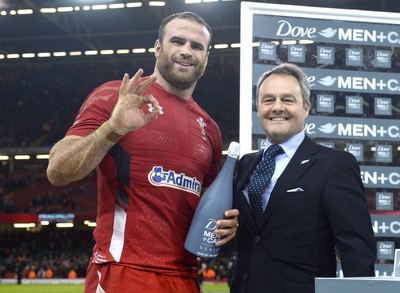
[358, 285]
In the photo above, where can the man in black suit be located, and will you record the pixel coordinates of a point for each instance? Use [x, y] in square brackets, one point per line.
[313, 204]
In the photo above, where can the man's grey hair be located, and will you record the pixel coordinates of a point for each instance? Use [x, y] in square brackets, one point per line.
[288, 70]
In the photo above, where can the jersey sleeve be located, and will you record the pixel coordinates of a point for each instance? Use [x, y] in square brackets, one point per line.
[96, 109]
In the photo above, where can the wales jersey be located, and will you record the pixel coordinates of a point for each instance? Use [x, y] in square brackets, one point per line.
[149, 183]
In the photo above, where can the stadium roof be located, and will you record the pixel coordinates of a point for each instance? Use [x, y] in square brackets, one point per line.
[108, 26]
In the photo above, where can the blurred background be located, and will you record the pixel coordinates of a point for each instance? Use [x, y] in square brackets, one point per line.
[53, 53]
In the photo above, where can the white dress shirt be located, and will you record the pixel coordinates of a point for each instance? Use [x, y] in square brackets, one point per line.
[290, 147]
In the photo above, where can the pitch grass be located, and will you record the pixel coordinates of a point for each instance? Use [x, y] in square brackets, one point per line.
[67, 288]
[215, 288]
[42, 288]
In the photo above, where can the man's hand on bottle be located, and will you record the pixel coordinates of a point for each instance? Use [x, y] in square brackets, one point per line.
[227, 227]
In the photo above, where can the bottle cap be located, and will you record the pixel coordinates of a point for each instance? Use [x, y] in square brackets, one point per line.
[234, 149]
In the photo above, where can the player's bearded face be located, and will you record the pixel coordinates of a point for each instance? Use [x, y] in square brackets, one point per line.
[180, 71]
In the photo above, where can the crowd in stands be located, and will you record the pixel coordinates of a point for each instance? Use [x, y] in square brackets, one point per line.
[62, 200]
[20, 195]
[47, 253]
[39, 101]
[9, 183]
[64, 253]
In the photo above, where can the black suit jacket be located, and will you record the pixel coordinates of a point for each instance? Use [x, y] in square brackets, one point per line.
[317, 203]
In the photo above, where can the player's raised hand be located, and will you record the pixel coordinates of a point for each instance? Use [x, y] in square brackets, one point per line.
[128, 114]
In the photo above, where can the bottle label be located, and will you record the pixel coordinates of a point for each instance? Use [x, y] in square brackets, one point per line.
[207, 247]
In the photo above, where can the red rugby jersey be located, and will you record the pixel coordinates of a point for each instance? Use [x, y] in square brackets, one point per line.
[149, 183]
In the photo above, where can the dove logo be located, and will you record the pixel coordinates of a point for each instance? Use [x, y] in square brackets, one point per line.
[354, 101]
[327, 128]
[328, 33]
[327, 80]
[382, 54]
[325, 51]
[296, 49]
[355, 52]
[385, 246]
[324, 99]
[354, 148]
[383, 102]
[385, 197]
[311, 80]
[287, 29]
[310, 128]
[384, 149]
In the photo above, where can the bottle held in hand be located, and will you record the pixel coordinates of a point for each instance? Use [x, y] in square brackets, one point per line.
[214, 202]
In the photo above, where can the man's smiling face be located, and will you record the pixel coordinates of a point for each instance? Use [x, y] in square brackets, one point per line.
[280, 107]
[182, 56]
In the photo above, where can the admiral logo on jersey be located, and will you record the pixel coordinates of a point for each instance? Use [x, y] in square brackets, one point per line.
[158, 177]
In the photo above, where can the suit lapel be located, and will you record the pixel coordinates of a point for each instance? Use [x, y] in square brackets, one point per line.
[249, 165]
[302, 160]
[245, 170]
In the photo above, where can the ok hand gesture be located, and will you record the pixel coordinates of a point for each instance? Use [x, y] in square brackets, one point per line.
[128, 114]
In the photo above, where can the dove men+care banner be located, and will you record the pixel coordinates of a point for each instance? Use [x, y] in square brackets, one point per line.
[352, 61]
